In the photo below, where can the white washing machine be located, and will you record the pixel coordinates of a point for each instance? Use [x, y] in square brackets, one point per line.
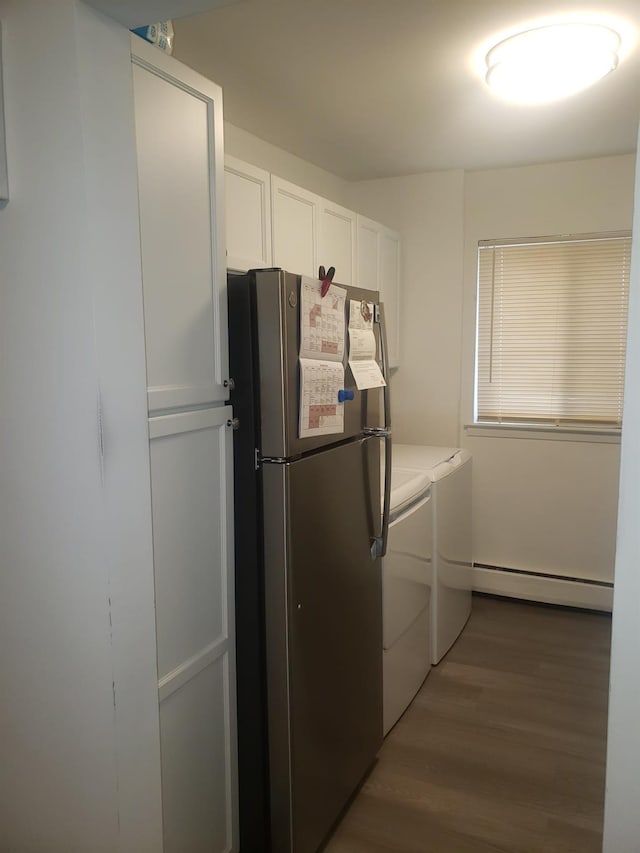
[449, 470]
[407, 578]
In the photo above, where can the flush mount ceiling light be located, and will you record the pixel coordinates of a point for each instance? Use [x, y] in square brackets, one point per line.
[552, 62]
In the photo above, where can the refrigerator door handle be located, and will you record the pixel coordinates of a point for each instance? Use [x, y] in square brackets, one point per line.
[378, 317]
[386, 506]
[379, 546]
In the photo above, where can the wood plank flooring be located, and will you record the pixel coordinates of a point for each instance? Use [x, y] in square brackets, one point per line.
[502, 750]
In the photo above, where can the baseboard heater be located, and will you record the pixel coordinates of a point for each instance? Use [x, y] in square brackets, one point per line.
[546, 588]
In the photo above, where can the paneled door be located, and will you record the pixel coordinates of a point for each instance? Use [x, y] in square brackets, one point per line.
[180, 171]
[337, 241]
[191, 495]
[294, 217]
[368, 253]
[248, 210]
[178, 117]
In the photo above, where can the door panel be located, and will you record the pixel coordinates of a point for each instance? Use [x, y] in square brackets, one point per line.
[337, 241]
[368, 253]
[407, 571]
[191, 490]
[248, 210]
[191, 549]
[182, 237]
[453, 509]
[194, 752]
[412, 533]
[454, 582]
[295, 227]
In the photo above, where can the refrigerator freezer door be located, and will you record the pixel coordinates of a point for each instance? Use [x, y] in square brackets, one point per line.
[277, 301]
[324, 636]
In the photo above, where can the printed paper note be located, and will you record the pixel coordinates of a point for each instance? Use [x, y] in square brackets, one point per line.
[320, 411]
[322, 321]
[362, 346]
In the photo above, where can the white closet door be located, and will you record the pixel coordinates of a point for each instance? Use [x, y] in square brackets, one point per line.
[337, 241]
[180, 173]
[294, 218]
[191, 493]
[248, 212]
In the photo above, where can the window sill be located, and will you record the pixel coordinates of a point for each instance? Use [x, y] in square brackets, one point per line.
[544, 433]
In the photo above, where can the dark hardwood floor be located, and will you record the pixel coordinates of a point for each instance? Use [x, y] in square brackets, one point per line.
[503, 749]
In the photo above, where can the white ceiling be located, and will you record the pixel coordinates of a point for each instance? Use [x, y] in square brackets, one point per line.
[136, 13]
[371, 88]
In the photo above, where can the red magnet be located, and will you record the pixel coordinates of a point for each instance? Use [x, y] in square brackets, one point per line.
[326, 278]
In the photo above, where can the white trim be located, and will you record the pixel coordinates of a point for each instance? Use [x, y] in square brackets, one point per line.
[543, 433]
[172, 424]
[188, 669]
[595, 236]
[180, 396]
[570, 593]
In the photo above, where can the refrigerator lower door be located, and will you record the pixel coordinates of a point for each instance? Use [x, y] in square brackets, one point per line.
[324, 637]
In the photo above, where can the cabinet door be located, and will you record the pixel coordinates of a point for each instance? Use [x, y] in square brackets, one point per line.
[337, 240]
[178, 117]
[368, 253]
[191, 491]
[248, 215]
[294, 217]
[390, 290]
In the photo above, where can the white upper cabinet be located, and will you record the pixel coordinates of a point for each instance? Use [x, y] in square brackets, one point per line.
[180, 178]
[306, 231]
[368, 253]
[379, 269]
[294, 214]
[337, 240]
[248, 208]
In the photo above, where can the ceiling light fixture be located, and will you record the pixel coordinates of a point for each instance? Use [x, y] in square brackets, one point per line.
[552, 62]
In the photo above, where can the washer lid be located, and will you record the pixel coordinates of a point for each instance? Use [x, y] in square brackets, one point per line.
[436, 461]
[406, 485]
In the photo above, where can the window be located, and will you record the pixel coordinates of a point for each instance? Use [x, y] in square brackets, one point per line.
[551, 331]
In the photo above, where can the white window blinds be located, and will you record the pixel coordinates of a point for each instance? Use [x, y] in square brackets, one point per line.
[551, 333]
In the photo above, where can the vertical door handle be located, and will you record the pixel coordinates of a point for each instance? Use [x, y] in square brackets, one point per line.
[379, 548]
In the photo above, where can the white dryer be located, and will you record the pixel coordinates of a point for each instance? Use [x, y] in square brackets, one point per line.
[449, 470]
[407, 578]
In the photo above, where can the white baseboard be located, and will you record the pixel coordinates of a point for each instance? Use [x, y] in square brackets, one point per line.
[549, 590]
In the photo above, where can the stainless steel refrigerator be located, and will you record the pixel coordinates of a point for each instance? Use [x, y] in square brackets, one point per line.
[309, 538]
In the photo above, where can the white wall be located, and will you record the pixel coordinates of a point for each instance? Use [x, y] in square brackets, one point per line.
[542, 505]
[539, 505]
[622, 812]
[76, 583]
[427, 211]
[239, 143]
